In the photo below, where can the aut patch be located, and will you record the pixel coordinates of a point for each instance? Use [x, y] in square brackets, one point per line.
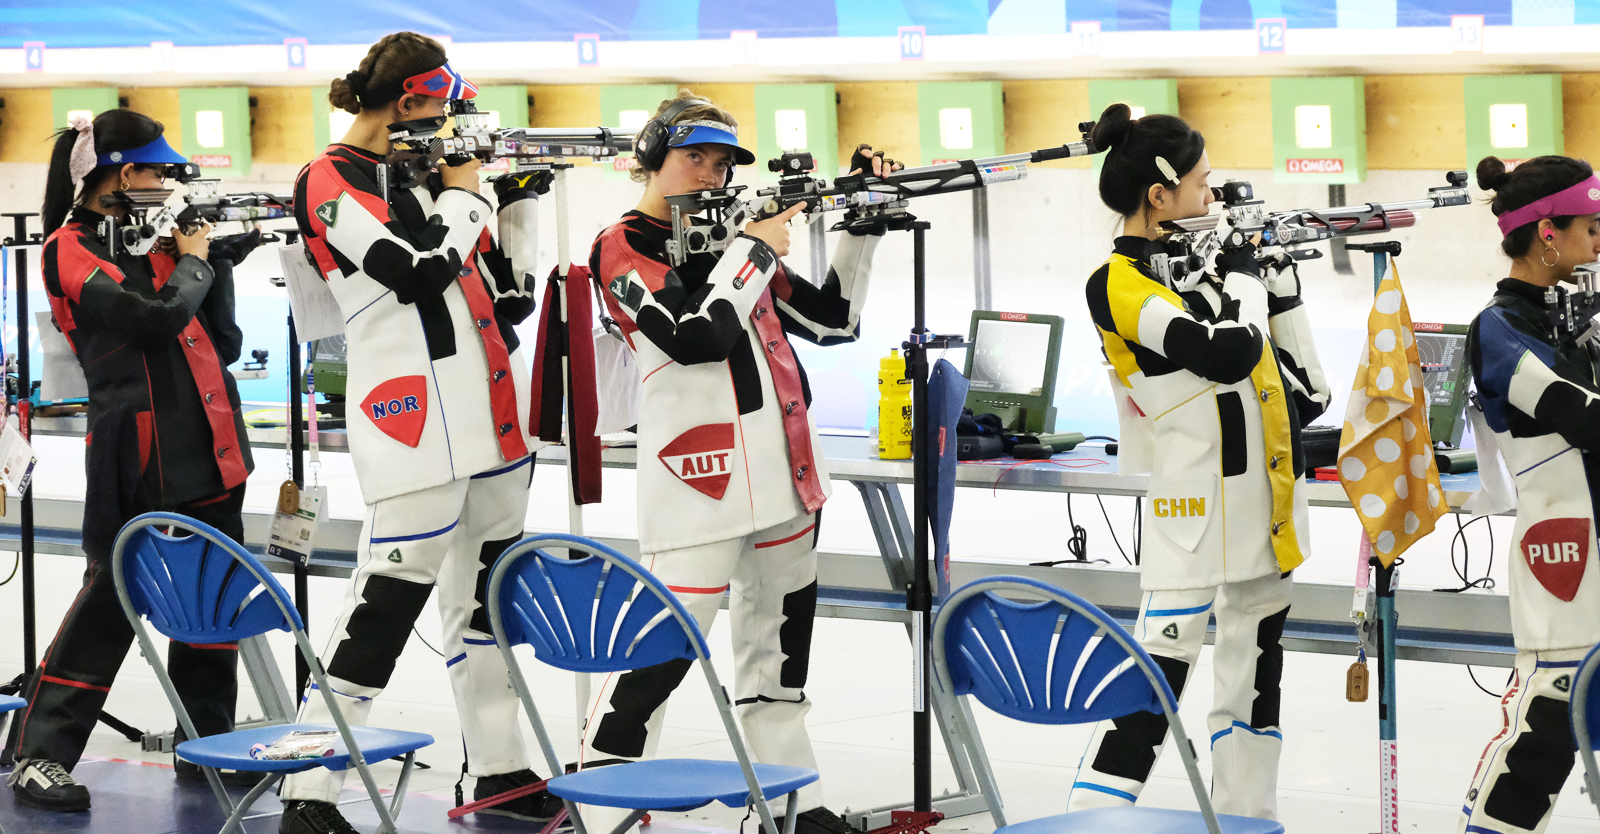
[399, 408]
[702, 457]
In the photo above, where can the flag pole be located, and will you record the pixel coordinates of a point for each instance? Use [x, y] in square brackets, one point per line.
[1387, 620]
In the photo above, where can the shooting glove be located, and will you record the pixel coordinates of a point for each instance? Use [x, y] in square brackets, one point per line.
[526, 185]
[1281, 276]
[234, 248]
[863, 162]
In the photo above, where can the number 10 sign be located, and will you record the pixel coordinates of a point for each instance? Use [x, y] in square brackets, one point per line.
[1270, 35]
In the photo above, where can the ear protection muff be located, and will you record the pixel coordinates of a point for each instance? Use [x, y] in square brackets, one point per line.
[650, 143]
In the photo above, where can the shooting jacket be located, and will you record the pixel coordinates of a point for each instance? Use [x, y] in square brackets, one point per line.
[727, 444]
[437, 385]
[1539, 398]
[1218, 381]
[154, 336]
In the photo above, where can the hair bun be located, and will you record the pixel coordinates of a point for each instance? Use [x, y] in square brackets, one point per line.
[1112, 127]
[357, 82]
[1491, 173]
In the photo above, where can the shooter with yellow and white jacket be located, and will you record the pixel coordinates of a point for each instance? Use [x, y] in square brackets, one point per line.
[1219, 375]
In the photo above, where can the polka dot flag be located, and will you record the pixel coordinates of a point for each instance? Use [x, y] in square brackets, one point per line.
[1385, 454]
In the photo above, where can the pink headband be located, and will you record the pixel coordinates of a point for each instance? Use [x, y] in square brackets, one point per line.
[1583, 198]
[82, 160]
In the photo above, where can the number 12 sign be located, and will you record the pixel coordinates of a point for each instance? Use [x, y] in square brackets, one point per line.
[1270, 35]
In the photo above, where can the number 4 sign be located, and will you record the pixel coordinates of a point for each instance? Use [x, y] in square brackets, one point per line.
[1271, 32]
[1466, 33]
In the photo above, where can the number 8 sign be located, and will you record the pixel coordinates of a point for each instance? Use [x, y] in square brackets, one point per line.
[1270, 35]
[588, 50]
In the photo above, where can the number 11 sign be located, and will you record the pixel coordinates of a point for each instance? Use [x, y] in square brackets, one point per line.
[1271, 32]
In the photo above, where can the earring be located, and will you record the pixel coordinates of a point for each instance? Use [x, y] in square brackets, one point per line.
[1548, 249]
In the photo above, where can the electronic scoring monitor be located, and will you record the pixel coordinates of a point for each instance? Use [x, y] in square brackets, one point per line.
[1011, 366]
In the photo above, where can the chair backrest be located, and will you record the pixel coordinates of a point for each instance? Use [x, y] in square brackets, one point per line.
[1059, 660]
[1586, 702]
[201, 588]
[600, 613]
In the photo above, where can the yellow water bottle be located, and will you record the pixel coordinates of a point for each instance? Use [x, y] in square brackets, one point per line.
[894, 408]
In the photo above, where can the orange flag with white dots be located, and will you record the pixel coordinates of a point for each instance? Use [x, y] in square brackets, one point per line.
[1385, 453]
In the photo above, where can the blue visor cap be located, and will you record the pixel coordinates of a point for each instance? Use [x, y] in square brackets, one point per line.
[155, 153]
[709, 133]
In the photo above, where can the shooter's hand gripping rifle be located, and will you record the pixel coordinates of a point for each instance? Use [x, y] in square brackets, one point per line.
[417, 147]
[1195, 241]
[867, 200]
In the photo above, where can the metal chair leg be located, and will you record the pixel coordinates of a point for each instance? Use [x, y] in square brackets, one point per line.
[791, 813]
[236, 819]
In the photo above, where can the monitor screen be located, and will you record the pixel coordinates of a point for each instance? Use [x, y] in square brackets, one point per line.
[1442, 351]
[1010, 357]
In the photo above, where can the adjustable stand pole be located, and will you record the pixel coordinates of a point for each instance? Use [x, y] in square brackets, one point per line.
[297, 473]
[1387, 622]
[20, 241]
[1388, 720]
[919, 596]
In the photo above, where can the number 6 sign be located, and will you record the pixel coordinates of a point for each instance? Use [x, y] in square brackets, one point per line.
[1270, 35]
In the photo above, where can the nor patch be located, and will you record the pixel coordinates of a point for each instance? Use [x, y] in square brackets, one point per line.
[399, 408]
[1557, 552]
[702, 457]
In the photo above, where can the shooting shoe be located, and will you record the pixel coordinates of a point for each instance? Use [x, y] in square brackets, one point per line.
[534, 807]
[45, 784]
[818, 820]
[308, 817]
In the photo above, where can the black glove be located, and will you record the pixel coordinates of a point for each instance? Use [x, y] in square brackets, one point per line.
[234, 248]
[863, 161]
[1241, 258]
[526, 185]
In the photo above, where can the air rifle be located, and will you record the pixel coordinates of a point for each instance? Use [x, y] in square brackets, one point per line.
[1195, 239]
[865, 199]
[417, 148]
[1572, 312]
[147, 217]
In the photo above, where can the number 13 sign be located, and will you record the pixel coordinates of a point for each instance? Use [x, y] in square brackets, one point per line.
[1466, 33]
[1271, 32]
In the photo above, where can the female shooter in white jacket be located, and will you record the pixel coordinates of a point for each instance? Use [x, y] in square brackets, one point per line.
[1222, 375]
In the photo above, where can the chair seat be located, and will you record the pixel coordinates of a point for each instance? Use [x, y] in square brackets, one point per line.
[9, 703]
[1136, 820]
[232, 750]
[676, 784]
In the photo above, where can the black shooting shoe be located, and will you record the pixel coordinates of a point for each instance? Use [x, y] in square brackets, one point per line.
[190, 773]
[45, 784]
[310, 817]
[818, 820]
[533, 807]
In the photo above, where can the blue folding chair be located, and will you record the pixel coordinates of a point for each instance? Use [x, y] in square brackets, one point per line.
[8, 704]
[1061, 660]
[206, 588]
[1585, 707]
[606, 613]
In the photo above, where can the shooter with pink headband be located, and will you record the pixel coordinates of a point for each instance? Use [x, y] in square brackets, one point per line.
[1538, 406]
